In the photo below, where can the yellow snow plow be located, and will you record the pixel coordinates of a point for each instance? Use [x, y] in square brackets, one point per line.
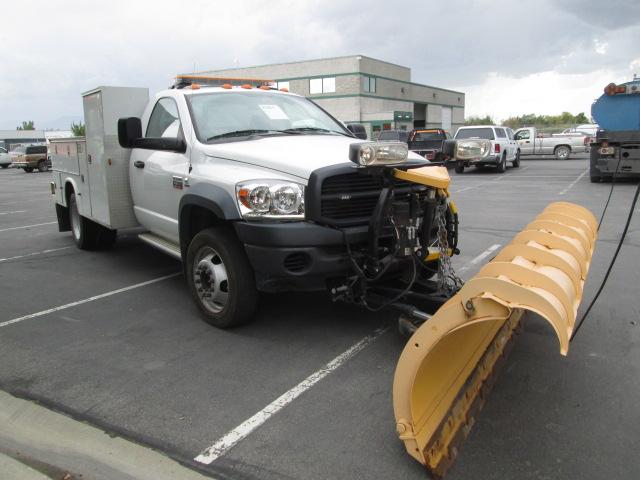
[459, 332]
[449, 363]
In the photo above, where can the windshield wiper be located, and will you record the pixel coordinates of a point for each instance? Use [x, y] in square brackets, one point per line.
[310, 129]
[239, 133]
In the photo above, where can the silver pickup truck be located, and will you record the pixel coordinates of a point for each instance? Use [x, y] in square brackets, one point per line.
[533, 143]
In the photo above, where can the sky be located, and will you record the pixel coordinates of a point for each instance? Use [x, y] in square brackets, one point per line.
[510, 58]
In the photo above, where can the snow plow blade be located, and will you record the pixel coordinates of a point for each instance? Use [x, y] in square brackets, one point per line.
[449, 364]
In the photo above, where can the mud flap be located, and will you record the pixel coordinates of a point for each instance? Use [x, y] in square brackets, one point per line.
[449, 364]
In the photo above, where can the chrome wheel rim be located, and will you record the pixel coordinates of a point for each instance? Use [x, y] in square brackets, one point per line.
[211, 280]
[75, 221]
[563, 153]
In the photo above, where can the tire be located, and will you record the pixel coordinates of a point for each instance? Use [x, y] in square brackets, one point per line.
[28, 169]
[595, 178]
[230, 299]
[502, 166]
[516, 161]
[42, 166]
[562, 152]
[81, 227]
[459, 167]
[4, 166]
[88, 235]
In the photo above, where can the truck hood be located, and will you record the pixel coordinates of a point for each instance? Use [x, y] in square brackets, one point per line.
[297, 155]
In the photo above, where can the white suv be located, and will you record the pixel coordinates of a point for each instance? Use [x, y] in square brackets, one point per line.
[503, 147]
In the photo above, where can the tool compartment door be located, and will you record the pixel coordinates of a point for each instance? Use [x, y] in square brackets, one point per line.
[96, 181]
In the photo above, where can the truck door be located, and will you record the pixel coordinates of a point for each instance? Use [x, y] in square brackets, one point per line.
[523, 137]
[158, 177]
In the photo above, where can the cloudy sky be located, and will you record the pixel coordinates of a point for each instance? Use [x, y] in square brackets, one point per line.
[543, 57]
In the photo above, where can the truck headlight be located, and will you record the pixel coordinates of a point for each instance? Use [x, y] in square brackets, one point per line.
[472, 149]
[271, 199]
[378, 153]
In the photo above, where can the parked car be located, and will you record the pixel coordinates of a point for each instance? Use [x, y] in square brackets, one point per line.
[5, 158]
[532, 142]
[31, 157]
[590, 129]
[503, 147]
[428, 143]
[393, 136]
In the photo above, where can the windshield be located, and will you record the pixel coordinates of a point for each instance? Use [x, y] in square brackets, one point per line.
[486, 133]
[428, 135]
[218, 116]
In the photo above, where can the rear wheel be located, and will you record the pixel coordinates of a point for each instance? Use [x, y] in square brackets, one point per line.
[220, 278]
[459, 167]
[502, 166]
[42, 166]
[88, 235]
[562, 152]
[28, 169]
[80, 226]
[516, 161]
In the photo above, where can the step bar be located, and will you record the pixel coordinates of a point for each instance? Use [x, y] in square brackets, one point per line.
[161, 244]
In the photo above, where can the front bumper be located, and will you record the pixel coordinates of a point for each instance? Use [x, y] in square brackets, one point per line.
[492, 159]
[297, 256]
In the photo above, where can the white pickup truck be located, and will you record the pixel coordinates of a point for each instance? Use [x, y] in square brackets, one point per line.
[253, 189]
[561, 146]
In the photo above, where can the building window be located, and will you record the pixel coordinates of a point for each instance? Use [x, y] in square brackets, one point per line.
[322, 85]
[369, 84]
[281, 85]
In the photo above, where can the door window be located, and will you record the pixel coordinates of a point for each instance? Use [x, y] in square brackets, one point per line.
[522, 135]
[500, 133]
[164, 120]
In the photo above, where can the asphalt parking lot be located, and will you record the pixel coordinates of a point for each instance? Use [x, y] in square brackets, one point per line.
[140, 363]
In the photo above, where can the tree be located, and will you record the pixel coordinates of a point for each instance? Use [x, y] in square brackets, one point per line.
[26, 126]
[474, 120]
[77, 129]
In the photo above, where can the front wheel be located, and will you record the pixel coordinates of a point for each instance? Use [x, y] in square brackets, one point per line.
[42, 166]
[220, 278]
[562, 152]
[28, 169]
[459, 167]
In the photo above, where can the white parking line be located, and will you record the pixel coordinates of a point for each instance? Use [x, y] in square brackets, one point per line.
[228, 441]
[574, 182]
[231, 438]
[14, 211]
[26, 226]
[480, 257]
[32, 254]
[86, 300]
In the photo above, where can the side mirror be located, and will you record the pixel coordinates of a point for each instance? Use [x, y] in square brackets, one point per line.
[129, 131]
[358, 130]
[130, 136]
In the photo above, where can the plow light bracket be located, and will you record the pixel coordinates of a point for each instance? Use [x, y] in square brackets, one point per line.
[467, 149]
[369, 154]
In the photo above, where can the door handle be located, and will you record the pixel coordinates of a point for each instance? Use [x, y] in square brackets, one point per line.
[138, 164]
[527, 141]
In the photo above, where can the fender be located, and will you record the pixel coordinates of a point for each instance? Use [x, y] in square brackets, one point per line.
[210, 197]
